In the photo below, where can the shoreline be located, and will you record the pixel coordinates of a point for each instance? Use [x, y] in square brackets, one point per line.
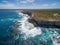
[39, 22]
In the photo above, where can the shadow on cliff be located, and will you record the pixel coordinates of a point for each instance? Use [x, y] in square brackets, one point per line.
[44, 24]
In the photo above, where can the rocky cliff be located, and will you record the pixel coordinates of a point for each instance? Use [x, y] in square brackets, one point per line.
[43, 23]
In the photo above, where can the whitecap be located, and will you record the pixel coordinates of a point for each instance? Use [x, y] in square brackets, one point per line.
[27, 28]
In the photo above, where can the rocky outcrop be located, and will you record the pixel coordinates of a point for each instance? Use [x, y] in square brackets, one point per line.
[47, 24]
[42, 23]
[27, 12]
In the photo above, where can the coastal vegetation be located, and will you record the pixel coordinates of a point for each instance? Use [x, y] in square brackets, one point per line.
[47, 17]
[45, 14]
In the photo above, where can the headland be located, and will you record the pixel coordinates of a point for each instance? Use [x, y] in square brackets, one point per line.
[46, 17]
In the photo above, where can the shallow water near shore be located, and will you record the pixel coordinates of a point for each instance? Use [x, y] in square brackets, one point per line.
[16, 30]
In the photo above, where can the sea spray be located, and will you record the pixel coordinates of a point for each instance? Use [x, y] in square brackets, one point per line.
[27, 32]
[27, 28]
[54, 35]
[16, 30]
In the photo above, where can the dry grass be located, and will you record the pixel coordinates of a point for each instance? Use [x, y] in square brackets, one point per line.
[45, 14]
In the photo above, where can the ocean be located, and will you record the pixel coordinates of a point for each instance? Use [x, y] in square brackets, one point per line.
[15, 29]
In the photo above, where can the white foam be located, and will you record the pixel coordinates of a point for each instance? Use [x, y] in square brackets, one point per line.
[27, 28]
[55, 41]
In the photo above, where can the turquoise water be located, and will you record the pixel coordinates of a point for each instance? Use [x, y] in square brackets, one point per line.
[10, 35]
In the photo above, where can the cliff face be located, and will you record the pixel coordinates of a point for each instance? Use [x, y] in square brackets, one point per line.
[45, 23]
[40, 18]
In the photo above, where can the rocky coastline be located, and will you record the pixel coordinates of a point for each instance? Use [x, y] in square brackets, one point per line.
[42, 23]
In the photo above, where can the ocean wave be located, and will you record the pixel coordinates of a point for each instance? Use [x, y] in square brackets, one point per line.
[27, 31]
[28, 28]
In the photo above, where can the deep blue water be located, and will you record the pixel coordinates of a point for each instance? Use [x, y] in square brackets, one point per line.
[8, 19]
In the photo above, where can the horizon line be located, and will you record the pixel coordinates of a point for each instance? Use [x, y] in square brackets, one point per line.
[35, 9]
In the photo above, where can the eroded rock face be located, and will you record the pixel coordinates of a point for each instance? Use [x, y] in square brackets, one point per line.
[45, 23]
[27, 12]
[34, 22]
